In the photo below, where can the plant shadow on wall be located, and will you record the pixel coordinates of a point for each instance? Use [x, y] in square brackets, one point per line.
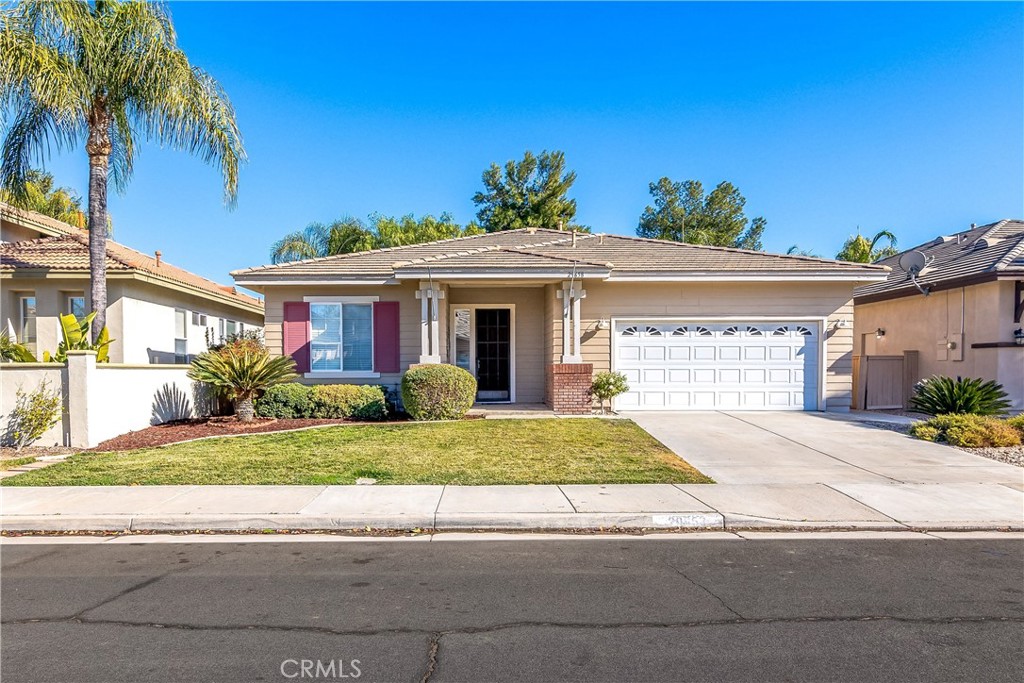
[171, 404]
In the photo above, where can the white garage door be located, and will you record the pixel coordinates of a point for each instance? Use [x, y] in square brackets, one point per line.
[717, 366]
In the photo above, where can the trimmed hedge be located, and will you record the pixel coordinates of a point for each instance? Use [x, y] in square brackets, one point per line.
[970, 431]
[438, 392]
[356, 401]
[328, 401]
[285, 401]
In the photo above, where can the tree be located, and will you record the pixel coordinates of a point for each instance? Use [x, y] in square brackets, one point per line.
[795, 250]
[340, 237]
[682, 213]
[532, 193]
[40, 195]
[860, 249]
[105, 73]
[351, 234]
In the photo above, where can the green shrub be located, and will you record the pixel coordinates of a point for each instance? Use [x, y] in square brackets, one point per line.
[438, 392]
[285, 402]
[34, 412]
[944, 395]
[343, 401]
[608, 385]
[1017, 422]
[968, 431]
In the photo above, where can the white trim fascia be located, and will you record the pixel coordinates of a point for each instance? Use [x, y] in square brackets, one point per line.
[340, 299]
[748, 278]
[559, 275]
[335, 374]
[315, 283]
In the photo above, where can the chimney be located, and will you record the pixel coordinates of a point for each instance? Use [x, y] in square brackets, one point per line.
[560, 227]
[574, 238]
[973, 226]
[158, 255]
[600, 239]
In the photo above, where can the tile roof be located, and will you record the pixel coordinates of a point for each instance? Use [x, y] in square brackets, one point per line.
[70, 253]
[540, 250]
[986, 251]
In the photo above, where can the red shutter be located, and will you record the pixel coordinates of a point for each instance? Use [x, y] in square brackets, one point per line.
[385, 337]
[295, 333]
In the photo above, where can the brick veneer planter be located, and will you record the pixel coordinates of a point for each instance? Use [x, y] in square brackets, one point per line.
[568, 388]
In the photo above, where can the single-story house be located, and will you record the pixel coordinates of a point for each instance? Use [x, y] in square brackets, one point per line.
[962, 324]
[534, 313]
[156, 312]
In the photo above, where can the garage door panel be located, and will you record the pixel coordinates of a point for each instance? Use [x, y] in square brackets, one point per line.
[746, 366]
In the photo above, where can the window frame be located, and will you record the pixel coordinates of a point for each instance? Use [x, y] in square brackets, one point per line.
[29, 344]
[340, 301]
[181, 358]
[70, 310]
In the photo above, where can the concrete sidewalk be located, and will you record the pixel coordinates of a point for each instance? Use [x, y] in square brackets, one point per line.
[855, 505]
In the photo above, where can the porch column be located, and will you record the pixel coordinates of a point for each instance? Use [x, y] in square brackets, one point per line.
[571, 294]
[430, 306]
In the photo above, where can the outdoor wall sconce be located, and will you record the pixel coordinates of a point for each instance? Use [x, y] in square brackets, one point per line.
[1018, 336]
[879, 333]
[840, 324]
[603, 324]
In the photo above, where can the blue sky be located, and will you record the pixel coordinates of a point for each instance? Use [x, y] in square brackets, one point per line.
[826, 116]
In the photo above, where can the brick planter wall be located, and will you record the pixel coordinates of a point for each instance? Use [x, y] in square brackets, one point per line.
[568, 388]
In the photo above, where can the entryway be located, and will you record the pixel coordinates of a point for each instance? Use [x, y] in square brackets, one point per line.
[483, 343]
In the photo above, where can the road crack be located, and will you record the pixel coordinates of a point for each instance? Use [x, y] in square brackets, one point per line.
[707, 590]
[435, 644]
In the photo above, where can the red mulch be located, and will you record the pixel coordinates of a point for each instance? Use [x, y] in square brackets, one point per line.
[185, 430]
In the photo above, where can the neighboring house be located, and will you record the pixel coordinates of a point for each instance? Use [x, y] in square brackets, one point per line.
[964, 327]
[156, 312]
[533, 313]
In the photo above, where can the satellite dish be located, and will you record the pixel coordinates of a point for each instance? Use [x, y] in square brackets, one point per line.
[913, 262]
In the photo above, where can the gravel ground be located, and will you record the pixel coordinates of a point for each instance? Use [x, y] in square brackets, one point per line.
[891, 426]
[1014, 455]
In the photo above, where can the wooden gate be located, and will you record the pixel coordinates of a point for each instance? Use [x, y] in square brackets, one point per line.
[885, 382]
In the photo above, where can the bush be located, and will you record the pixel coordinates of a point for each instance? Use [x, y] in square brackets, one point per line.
[944, 396]
[34, 412]
[242, 374]
[438, 392]
[285, 401]
[968, 431]
[341, 401]
[1017, 422]
[608, 385]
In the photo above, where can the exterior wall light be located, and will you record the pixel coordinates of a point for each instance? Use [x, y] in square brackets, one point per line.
[879, 333]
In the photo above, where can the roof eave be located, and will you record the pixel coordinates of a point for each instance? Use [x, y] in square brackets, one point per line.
[743, 276]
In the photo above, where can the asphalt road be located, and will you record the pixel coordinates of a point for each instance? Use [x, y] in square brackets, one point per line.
[574, 610]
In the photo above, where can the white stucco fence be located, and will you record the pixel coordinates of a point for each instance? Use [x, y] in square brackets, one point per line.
[104, 400]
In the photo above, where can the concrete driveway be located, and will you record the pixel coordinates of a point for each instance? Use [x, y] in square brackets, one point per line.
[814, 448]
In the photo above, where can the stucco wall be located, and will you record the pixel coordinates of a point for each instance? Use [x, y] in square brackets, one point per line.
[606, 300]
[140, 316]
[983, 313]
[28, 377]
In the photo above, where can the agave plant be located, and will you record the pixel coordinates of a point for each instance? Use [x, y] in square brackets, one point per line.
[944, 395]
[75, 337]
[242, 375]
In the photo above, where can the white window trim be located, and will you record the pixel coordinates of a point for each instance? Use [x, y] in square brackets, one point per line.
[342, 374]
[21, 317]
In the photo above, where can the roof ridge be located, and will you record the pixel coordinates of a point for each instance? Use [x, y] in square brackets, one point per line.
[447, 255]
[526, 250]
[1010, 256]
[737, 250]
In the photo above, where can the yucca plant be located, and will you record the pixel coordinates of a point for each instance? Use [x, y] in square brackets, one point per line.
[242, 375]
[944, 396]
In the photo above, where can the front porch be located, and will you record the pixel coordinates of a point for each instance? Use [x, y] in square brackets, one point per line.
[521, 340]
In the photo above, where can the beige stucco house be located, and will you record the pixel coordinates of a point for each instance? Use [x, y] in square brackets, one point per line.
[157, 312]
[963, 327]
[534, 313]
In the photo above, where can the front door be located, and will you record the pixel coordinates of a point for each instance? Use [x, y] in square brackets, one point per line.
[493, 353]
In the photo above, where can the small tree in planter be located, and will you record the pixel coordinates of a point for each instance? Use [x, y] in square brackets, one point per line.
[242, 374]
[608, 385]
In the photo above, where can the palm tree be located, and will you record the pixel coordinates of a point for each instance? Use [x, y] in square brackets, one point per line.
[860, 249]
[41, 196]
[106, 73]
[340, 237]
[795, 250]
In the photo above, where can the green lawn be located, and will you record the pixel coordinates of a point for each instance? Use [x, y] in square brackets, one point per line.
[11, 463]
[590, 451]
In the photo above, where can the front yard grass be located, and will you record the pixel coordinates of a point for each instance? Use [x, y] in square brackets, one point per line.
[571, 451]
